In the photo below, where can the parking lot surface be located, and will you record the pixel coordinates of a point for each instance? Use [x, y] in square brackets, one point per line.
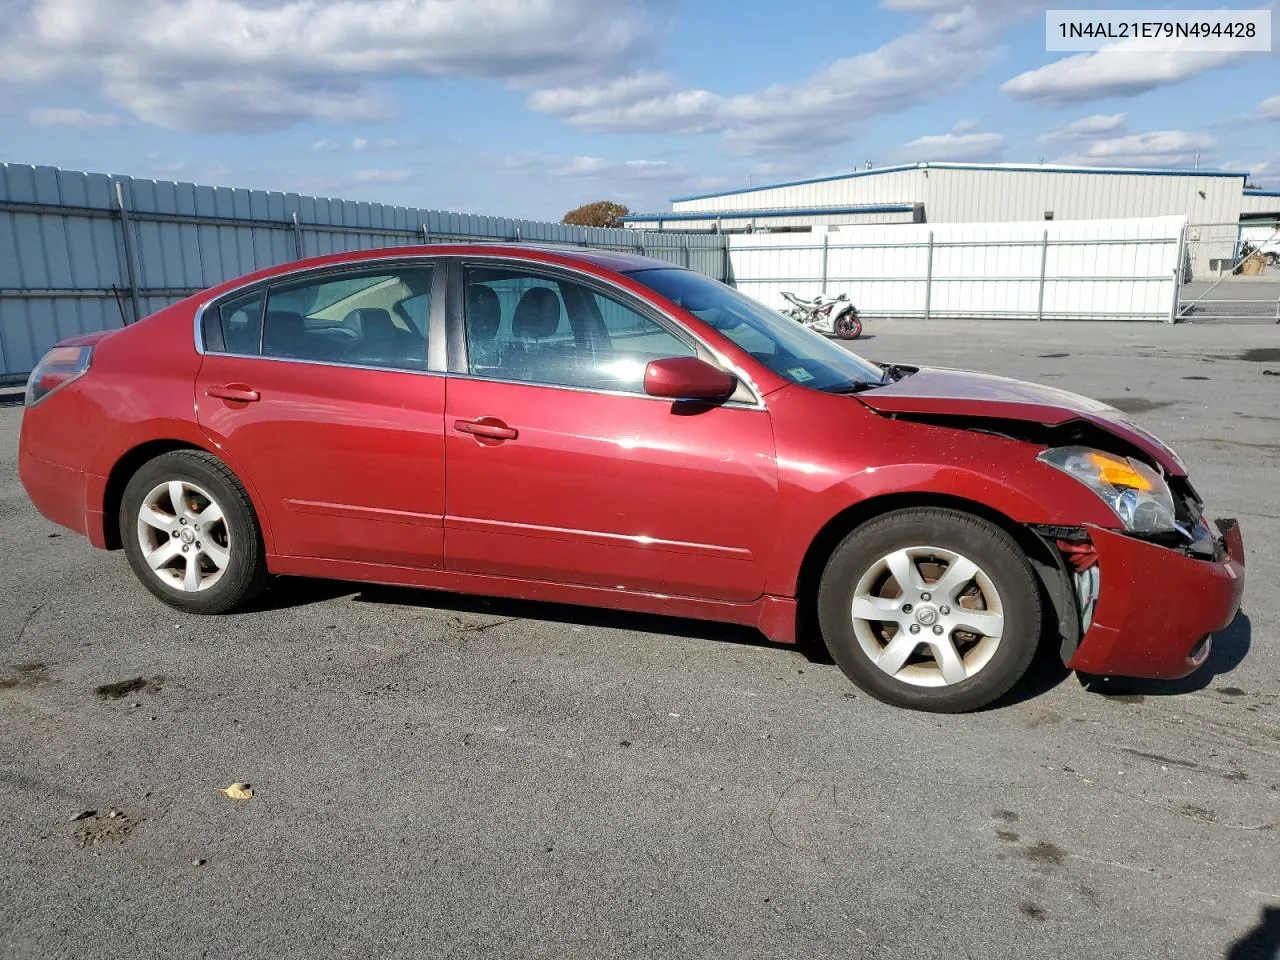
[442, 776]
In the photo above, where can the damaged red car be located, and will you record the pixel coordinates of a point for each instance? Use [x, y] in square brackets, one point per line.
[605, 429]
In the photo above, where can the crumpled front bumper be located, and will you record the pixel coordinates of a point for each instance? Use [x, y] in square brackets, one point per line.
[1157, 607]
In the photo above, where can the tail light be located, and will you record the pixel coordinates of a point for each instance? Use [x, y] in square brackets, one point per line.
[56, 369]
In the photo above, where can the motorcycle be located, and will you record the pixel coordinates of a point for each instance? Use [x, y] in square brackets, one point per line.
[829, 315]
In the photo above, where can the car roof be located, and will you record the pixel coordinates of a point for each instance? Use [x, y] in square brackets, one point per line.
[601, 260]
[617, 261]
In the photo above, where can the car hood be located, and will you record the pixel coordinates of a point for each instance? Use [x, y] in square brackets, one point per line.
[934, 391]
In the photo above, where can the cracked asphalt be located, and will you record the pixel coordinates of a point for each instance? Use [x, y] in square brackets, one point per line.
[444, 776]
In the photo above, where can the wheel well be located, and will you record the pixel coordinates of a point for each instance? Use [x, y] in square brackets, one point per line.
[119, 477]
[839, 526]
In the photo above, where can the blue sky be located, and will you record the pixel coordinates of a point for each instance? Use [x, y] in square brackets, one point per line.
[529, 107]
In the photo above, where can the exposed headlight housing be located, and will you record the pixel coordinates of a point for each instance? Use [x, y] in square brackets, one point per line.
[1136, 493]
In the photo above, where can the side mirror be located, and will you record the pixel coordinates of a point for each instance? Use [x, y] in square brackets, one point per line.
[688, 378]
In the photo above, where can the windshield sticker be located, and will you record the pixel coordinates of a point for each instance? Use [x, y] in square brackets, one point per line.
[799, 374]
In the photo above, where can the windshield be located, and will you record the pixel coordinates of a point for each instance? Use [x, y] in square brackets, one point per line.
[784, 346]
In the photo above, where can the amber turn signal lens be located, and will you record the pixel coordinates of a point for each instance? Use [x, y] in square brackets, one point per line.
[1119, 472]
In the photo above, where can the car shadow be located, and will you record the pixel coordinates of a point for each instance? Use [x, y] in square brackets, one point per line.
[1046, 672]
[1260, 943]
[1230, 646]
[290, 592]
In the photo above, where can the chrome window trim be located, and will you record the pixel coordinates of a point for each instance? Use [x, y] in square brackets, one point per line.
[300, 274]
[730, 404]
[440, 259]
[331, 363]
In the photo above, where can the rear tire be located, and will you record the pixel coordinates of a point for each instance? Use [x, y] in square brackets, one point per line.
[957, 636]
[191, 535]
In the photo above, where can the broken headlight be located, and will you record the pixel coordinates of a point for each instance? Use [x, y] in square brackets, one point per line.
[1136, 493]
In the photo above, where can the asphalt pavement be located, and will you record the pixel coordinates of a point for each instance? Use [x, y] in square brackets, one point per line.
[442, 776]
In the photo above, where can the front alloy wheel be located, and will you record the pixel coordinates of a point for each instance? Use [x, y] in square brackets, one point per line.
[930, 608]
[927, 616]
[848, 326]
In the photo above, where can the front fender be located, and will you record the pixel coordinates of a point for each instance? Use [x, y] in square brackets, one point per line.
[864, 462]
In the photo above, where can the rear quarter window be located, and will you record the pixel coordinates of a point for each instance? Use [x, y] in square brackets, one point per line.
[239, 327]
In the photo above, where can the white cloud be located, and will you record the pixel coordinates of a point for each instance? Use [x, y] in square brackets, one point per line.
[381, 176]
[71, 117]
[595, 167]
[1159, 148]
[247, 65]
[1268, 109]
[962, 142]
[1115, 71]
[987, 6]
[1087, 128]
[951, 48]
[1266, 173]
[358, 144]
[1104, 139]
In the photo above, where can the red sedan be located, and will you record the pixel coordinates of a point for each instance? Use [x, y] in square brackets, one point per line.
[606, 429]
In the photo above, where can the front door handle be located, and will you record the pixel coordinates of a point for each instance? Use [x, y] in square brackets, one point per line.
[234, 391]
[486, 428]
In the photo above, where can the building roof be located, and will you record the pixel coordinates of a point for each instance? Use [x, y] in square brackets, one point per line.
[956, 165]
[766, 212]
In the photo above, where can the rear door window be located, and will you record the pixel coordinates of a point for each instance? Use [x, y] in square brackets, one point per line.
[368, 318]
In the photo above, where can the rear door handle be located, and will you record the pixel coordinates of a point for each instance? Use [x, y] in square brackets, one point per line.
[234, 391]
[490, 428]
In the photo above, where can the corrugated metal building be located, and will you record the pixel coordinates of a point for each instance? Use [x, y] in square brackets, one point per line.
[964, 193]
[1260, 205]
[778, 219]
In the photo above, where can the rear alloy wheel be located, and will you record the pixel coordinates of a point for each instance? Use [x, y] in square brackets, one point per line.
[848, 326]
[190, 533]
[931, 609]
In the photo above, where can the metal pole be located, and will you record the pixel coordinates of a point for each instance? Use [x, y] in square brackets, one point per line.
[826, 243]
[297, 235]
[130, 255]
[686, 250]
[1175, 310]
[928, 279]
[426, 234]
[1044, 262]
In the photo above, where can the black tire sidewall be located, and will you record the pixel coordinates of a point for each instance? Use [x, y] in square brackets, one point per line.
[985, 544]
[247, 564]
[852, 331]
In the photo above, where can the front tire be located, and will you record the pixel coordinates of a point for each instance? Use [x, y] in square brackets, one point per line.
[848, 326]
[191, 535]
[931, 609]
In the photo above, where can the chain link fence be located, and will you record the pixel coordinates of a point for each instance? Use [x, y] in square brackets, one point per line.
[1230, 272]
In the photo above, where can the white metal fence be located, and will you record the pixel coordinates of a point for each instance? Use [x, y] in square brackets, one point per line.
[1069, 270]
